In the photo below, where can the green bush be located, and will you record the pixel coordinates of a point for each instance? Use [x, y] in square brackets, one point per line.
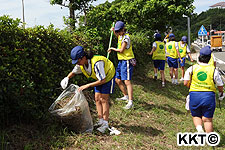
[32, 63]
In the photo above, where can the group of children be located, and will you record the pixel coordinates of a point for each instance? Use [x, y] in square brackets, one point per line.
[103, 71]
[172, 51]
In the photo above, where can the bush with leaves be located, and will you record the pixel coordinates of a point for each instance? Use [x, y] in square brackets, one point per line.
[32, 63]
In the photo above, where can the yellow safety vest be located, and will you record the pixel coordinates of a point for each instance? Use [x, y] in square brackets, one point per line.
[171, 50]
[202, 78]
[159, 53]
[108, 67]
[182, 50]
[211, 61]
[127, 54]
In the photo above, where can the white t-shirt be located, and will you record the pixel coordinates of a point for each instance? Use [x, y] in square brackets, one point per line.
[99, 69]
[217, 78]
[188, 49]
[125, 39]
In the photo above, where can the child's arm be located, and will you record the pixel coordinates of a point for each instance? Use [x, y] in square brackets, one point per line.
[153, 49]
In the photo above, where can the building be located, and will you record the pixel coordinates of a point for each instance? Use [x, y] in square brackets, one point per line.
[218, 5]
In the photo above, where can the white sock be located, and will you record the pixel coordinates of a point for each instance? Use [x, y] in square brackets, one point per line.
[163, 82]
[199, 128]
[126, 96]
[175, 80]
[156, 74]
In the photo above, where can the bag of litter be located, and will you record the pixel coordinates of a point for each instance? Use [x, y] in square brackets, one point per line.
[72, 108]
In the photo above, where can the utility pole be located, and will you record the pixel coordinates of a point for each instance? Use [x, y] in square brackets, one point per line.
[23, 14]
[210, 33]
[189, 31]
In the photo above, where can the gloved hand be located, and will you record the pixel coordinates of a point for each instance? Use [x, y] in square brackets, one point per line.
[64, 82]
[221, 96]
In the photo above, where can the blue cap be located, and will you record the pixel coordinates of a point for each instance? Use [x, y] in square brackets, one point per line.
[76, 53]
[157, 35]
[119, 25]
[184, 39]
[171, 35]
[205, 51]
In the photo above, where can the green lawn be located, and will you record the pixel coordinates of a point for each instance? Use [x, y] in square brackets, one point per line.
[158, 115]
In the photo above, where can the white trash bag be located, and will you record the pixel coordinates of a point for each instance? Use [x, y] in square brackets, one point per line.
[187, 102]
[72, 107]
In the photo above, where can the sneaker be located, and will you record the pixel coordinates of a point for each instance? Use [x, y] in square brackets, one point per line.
[173, 81]
[155, 77]
[98, 123]
[176, 83]
[103, 128]
[181, 79]
[124, 98]
[163, 84]
[129, 106]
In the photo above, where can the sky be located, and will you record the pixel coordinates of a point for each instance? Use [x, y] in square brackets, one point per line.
[40, 12]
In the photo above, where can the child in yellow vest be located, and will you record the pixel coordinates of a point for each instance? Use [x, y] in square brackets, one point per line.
[173, 54]
[159, 57]
[201, 79]
[183, 49]
[125, 66]
[100, 69]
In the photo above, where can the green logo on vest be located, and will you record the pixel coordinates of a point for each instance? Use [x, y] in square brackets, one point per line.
[180, 50]
[202, 76]
[161, 46]
[170, 46]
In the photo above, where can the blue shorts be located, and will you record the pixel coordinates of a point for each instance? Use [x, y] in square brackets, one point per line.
[183, 63]
[124, 70]
[106, 88]
[172, 62]
[160, 64]
[202, 104]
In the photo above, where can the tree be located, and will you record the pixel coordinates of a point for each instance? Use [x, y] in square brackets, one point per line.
[73, 5]
[140, 14]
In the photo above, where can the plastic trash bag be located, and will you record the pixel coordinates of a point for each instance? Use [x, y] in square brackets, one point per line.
[72, 108]
[187, 102]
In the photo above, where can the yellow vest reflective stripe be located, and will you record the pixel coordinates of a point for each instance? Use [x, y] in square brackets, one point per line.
[127, 54]
[159, 53]
[202, 78]
[108, 67]
[211, 61]
[182, 50]
[171, 50]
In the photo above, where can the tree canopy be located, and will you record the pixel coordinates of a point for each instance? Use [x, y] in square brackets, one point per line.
[140, 14]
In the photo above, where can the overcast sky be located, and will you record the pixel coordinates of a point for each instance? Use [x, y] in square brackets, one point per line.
[40, 12]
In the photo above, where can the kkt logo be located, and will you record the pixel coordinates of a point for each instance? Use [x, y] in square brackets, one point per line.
[198, 139]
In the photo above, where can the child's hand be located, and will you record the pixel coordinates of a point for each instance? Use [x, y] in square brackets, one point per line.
[181, 60]
[149, 53]
[111, 49]
[112, 29]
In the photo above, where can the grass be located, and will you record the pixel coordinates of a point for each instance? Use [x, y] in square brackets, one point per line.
[158, 115]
